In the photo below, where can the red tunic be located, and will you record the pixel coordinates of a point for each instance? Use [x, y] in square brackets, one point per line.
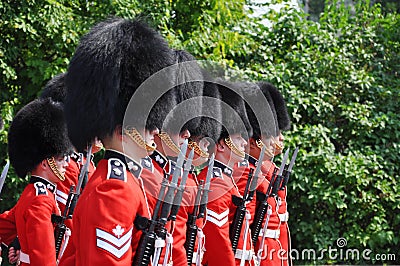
[216, 229]
[284, 237]
[33, 221]
[8, 229]
[104, 216]
[71, 178]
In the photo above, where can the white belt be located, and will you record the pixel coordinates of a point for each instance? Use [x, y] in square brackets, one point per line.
[271, 233]
[194, 258]
[23, 257]
[248, 254]
[284, 217]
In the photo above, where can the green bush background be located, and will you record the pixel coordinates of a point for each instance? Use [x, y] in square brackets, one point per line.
[340, 77]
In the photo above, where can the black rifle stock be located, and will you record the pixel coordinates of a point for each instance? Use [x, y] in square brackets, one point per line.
[147, 240]
[261, 209]
[191, 233]
[240, 213]
[61, 228]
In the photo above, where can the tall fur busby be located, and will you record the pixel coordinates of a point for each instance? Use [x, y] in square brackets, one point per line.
[262, 116]
[55, 89]
[37, 132]
[211, 117]
[111, 61]
[278, 103]
[234, 119]
[179, 107]
[188, 92]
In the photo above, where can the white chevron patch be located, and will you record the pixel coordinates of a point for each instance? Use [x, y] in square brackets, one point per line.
[61, 197]
[218, 219]
[116, 246]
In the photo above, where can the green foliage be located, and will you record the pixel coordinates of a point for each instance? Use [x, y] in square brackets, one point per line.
[340, 77]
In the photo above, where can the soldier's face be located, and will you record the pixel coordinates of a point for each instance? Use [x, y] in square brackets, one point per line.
[61, 163]
[203, 144]
[279, 141]
[240, 144]
[149, 136]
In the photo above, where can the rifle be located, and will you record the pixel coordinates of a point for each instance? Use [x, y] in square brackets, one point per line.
[204, 198]
[156, 228]
[198, 211]
[181, 189]
[236, 227]
[2, 179]
[191, 232]
[279, 177]
[253, 184]
[4, 175]
[72, 199]
[288, 170]
[147, 240]
[263, 206]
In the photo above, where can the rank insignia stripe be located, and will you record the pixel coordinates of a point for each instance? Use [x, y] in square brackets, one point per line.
[118, 245]
[218, 219]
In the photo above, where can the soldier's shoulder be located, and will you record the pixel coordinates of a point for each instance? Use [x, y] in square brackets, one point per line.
[217, 172]
[116, 170]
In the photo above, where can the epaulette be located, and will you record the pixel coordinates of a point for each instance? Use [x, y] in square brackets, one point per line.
[253, 161]
[75, 156]
[40, 188]
[116, 170]
[42, 185]
[243, 163]
[217, 172]
[134, 167]
[225, 169]
[159, 159]
[147, 163]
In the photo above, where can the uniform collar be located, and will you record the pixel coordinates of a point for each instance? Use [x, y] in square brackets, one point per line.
[225, 169]
[134, 167]
[50, 186]
[253, 160]
[147, 163]
[75, 156]
[160, 159]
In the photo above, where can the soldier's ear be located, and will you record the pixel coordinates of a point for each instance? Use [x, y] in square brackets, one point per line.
[253, 144]
[43, 165]
[220, 146]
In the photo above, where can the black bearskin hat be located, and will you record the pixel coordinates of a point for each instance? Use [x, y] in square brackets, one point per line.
[211, 117]
[233, 121]
[188, 92]
[55, 89]
[109, 64]
[261, 115]
[279, 104]
[37, 132]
